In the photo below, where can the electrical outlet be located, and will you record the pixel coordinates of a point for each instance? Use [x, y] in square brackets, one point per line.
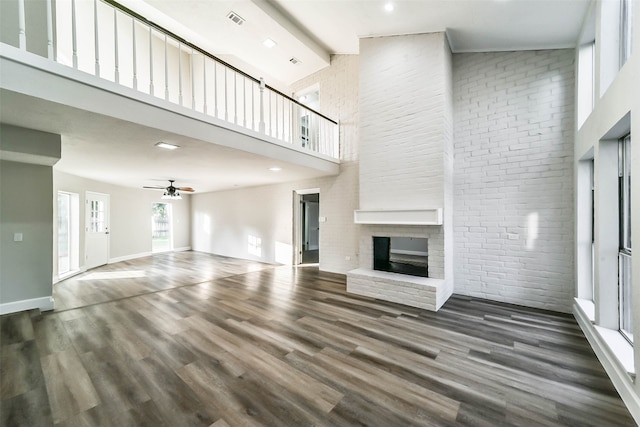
[347, 258]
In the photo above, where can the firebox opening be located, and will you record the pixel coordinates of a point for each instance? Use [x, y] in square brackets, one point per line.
[404, 255]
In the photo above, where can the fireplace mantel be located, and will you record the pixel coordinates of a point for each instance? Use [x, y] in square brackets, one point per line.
[399, 217]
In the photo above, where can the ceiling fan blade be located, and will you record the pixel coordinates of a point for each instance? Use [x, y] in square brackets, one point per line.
[156, 188]
[187, 189]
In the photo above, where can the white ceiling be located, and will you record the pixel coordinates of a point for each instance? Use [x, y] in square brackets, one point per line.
[310, 30]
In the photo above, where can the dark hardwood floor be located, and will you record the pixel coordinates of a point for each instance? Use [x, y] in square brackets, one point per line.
[190, 339]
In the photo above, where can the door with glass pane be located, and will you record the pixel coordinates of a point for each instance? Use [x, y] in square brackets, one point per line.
[96, 229]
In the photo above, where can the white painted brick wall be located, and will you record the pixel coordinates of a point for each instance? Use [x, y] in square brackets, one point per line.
[421, 292]
[513, 177]
[403, 90]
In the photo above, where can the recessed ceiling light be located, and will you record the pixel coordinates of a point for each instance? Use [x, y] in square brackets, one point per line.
[389, 7]
[166, 146]
[269, 43]
[275, 169]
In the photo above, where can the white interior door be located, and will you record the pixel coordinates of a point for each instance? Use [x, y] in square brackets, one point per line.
[96, 241]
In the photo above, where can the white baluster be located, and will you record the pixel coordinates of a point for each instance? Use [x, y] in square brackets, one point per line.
[261, 126]
[244, 101]
[135, 65]
[180, 73]
[277, 135]
[115, 42]
[50, 53]
[270, 115]
[235, 98]
[95, 36]
[151, 91]
[74, 35]
[22, 26]
[204, 83]
[166, 70]
[253, 106]
[193, 88]
[226, 106]
[215, 88]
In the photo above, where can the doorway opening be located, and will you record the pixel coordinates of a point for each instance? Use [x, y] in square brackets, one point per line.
[161, 233]
[68, 234]
[308, 227]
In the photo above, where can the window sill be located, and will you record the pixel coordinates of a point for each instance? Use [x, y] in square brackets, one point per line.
[616, 345]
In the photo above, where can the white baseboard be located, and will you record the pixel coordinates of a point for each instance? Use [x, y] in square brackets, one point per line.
[619, 376]
[44, 304]
[185, 248]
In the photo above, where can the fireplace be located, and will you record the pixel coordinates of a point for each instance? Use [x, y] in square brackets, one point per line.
[403, 263]
[403, 255]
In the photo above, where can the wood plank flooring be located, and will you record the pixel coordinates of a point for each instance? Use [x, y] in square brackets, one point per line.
[191, 339]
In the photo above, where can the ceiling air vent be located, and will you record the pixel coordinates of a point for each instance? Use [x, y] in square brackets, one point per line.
[237, 19]
[294, 60]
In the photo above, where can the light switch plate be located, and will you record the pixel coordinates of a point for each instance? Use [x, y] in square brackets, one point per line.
[17, 237]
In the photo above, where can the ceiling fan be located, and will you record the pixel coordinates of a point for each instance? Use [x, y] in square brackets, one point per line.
[171, 192]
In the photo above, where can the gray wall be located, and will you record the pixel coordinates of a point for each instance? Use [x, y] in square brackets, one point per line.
[26, 206]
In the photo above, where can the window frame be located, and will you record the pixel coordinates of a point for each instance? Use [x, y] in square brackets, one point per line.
[625, 308]
[626, 30]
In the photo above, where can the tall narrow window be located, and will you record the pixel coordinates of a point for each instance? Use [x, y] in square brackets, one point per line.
[161, 236]
[624, 269]
[64, 233]
[626, 30]
[593, 229]
[68, 233]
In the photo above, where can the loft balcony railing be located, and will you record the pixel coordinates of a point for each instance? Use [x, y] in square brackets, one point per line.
[103, 38]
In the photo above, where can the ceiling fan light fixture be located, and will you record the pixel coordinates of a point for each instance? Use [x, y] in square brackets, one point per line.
[174, 196]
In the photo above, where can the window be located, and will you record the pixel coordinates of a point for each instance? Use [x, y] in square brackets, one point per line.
[586, 81]
[68, 233]
[626, 30]
[624, 255]
[308, 122]
[97, 224]
[593, 228]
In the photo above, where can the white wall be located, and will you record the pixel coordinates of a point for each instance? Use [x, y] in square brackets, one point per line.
[222, 221]
[513, 210]
[130, 211]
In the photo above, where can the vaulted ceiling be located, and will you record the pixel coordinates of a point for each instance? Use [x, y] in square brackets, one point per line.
[312, 30]
[309, 30]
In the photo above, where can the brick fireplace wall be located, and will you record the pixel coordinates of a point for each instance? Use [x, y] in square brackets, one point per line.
[406, 158]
